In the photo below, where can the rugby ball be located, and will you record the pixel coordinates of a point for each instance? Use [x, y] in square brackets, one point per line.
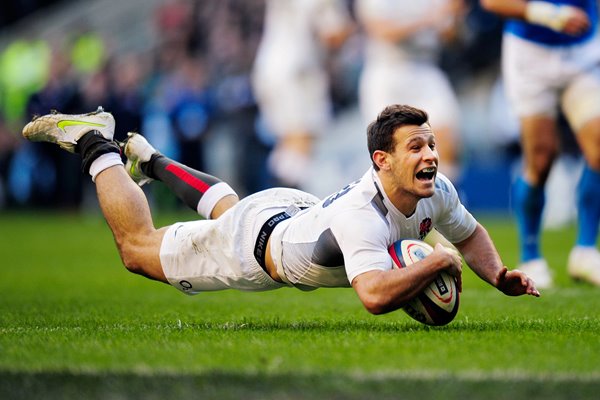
[436, 305]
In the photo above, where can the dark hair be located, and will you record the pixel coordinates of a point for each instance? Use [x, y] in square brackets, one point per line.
[380, 133]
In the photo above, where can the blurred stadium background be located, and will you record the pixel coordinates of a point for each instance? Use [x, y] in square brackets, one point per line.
[178, 70]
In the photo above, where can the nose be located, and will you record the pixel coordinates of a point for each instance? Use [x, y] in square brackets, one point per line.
[430, 154]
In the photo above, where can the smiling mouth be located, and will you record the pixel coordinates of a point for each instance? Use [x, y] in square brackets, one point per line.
[426, 174]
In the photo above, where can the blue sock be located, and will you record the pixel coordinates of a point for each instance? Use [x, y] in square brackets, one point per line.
[588, 207]
[528, 203]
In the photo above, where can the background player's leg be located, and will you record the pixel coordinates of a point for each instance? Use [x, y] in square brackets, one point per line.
[447, 144]
[588, 207]
[528, 204]
[588, 190]
[584, 259]
[540, 145]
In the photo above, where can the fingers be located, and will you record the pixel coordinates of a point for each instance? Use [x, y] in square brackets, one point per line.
[530, 286]
[532, 291]
[454, 253]
[454, 262]
[577, 23]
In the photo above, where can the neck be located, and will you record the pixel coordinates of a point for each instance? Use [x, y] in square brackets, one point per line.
[404, 201]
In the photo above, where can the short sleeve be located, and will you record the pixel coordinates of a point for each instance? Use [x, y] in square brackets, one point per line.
[363, 237]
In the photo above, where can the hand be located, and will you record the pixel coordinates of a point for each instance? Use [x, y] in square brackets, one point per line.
[515, 283]
[577, 23]
[453, 262]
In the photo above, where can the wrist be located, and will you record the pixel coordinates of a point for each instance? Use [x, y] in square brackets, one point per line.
[547, 14]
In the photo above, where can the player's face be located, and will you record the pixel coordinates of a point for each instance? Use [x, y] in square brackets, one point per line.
[414, 161]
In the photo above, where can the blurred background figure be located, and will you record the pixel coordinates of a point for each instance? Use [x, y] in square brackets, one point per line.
[291, 82]
[8, 144]
[404, 44]
[126, 76]
[551, 60]
[181, 72]
[60, 92]
[200, 108]
[24, 66]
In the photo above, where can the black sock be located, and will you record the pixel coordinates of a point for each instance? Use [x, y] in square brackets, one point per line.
[188, 184]
[91, 146]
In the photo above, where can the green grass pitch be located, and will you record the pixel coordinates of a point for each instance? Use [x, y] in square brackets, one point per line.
[75, 324]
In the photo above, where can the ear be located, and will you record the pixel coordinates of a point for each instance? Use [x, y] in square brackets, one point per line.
[380, 158]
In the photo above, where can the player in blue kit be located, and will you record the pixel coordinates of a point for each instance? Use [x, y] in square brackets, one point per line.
[551, 62]
[285, 237]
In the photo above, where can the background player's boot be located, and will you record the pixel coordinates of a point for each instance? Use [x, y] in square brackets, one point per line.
[66, 129]
[584, 264]
[539, 271]
[138, 151]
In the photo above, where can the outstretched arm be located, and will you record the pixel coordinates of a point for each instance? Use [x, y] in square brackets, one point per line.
[482, 257]
[561, 18]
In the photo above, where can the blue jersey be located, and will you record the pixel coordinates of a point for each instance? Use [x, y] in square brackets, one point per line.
[548, 37]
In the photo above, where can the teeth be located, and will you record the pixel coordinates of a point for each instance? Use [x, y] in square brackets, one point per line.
[429, 169]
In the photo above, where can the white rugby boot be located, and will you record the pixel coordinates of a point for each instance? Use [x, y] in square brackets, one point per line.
[66, 129]
[584, 264]
[538, 271]
[137, 150]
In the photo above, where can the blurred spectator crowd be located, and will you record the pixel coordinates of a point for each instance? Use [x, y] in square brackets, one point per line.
[194, 83]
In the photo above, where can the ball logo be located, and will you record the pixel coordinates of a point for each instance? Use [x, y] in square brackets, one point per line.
[419, 254]
[441, 285]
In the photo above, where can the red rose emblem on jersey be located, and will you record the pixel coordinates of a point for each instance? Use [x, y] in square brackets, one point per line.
[424, 228]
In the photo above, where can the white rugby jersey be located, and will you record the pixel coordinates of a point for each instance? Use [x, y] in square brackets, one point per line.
[349, 232]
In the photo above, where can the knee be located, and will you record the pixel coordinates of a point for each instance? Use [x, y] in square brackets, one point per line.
[589, 142]
[538, 166]
[592, 156]
[132, 249]
[140, 254]
[131, 257]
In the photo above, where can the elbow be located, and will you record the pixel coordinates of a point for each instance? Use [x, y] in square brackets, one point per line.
[373, 295]
[377, 304]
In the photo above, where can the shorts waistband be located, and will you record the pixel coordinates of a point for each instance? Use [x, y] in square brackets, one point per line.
[265, 232]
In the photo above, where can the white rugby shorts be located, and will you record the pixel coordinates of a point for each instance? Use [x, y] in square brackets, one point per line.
[539, 79]
[210, 255]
